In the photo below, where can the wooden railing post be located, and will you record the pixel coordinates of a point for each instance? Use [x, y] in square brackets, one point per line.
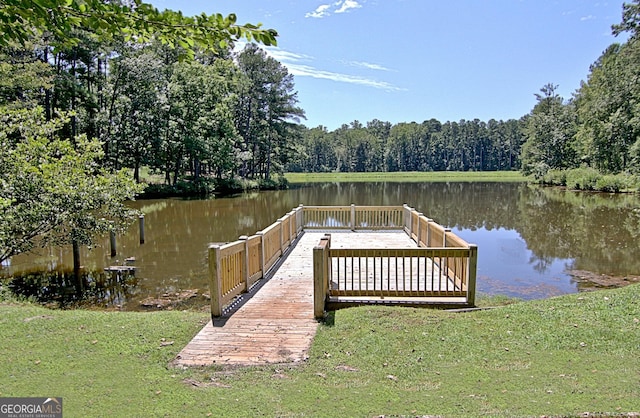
[327, 263]
[410, 221]
[300, 218]
[262, 260]
[418, 234]
[281, 234]
[245, 262]
[471, 274]
[352, 223]
[294, 223]
[405, 218]
[215, 281]
[414, 216]
[320, 276]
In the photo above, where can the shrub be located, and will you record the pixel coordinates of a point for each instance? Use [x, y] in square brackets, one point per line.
[538, 170]
[590, 179]
[611, 183]
[555, 178]
[230, 185]
[183, 188]
[582, 178]
[277, 183]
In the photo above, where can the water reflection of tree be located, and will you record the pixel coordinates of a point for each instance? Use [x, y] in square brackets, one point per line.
[541, 264]
[554, 223]
[597, 230]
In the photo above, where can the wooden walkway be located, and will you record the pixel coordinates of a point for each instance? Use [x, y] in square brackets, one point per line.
[277, 325]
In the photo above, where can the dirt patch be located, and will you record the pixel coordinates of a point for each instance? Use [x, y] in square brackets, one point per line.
[588, 280]
[37, 317]
[198, 384]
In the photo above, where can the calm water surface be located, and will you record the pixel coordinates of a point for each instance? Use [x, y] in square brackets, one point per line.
[527, 237]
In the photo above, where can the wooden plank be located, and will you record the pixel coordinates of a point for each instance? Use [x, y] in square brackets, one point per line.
[265, 329]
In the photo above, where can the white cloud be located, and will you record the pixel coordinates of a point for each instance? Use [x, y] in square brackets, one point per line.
[590, 17]
[286, 56]
[368, 65]
[299, 65]
[346, 5]
[301, 70]
[321, 11]
[340, 6]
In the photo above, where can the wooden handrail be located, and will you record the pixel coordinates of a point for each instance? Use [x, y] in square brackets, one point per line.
[399, 272]
[235, 267]
[227, 274]
[353, 217]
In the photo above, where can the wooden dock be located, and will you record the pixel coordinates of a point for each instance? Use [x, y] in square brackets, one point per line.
[277, 324]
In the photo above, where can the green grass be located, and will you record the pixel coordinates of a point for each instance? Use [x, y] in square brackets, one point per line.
[558, 357]
[406, 177]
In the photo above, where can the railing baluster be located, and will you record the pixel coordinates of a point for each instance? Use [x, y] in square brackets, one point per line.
[433, 268]
[359, 272]
[366, 277]
[396, 267]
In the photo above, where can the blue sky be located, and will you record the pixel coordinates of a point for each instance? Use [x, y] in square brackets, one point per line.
[413, 60]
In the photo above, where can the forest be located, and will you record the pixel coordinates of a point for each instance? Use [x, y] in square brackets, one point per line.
[94, 93]
[428, 146]
[148, 106]
[231, 114]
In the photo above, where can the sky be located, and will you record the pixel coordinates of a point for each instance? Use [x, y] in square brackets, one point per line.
[413, 60]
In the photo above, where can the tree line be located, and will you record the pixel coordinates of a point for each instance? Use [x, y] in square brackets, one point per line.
[187, 113]
[428, 146]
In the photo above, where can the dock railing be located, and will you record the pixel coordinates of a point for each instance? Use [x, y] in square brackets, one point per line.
[236, 266]
[353, 217]
[441, 270]
[443, 265]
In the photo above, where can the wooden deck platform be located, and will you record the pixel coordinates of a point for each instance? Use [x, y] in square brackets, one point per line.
[277, 325]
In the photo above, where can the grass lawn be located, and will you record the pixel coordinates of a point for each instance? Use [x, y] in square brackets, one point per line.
[407, 177]
[560, 357]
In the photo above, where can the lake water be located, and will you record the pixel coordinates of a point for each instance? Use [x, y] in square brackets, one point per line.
[528, 237]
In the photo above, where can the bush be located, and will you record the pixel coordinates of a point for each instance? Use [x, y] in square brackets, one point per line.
[591, 180]
[611, 183]
[582, 178]
[538, 170]
[204, 186]
[555, 178]
[198, 188]
[230, 185]
[277, 183]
